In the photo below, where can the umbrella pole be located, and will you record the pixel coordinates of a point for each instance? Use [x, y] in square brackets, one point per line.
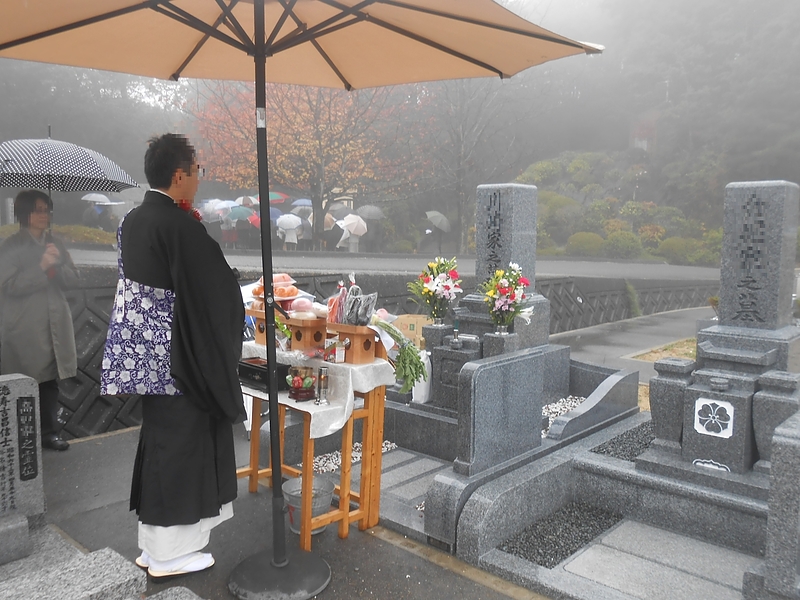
[271, 575]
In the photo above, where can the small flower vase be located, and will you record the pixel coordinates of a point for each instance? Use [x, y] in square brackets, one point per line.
[501, 329]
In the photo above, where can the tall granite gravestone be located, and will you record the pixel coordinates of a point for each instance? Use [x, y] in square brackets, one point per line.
[505, 226]
[21, 489]
[505, 232]
[716, 415]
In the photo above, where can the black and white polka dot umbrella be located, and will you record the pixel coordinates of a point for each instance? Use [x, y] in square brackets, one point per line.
[53, 165]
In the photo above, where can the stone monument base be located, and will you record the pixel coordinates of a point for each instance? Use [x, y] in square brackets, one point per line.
[660, 461]
[16, 538]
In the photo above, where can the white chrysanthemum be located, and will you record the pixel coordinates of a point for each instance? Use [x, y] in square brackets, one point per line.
[139, 349]
[125, 376]
[147, 334]
[116, 348]
[159, 293]
[111, 389]
[128, 296]
[141, 388]
[160, 350]
[170, 389]
[135, 287]
[106, 364]
[126, 334]
[147, 303]
[129, 363]
[153, 376]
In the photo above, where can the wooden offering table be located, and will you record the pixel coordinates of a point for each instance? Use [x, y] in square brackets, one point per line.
[346, 383]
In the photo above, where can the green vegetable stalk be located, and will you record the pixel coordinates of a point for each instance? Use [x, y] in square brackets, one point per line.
[408, 366]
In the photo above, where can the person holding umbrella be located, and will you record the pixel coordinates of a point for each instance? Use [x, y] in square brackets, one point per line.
[175, 337]
[36, 335]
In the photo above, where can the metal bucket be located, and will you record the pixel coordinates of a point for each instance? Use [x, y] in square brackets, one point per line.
[321, 498]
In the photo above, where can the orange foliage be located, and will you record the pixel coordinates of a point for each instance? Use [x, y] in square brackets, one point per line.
[318, 138]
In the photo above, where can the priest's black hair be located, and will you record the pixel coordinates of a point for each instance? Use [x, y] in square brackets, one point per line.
[25, 204]
[165, 155]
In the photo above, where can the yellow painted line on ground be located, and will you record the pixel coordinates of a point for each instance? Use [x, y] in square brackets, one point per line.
[100, 436]
[451, 563]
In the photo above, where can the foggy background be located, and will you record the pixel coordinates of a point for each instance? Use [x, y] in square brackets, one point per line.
[641, 140]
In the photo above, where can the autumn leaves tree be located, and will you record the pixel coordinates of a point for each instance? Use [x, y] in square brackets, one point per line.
[319, 139]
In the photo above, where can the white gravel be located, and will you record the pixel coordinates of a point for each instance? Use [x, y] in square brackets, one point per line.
[556, 409]
[328, 463]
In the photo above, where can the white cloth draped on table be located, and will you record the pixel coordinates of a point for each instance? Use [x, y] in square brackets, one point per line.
[344, 379]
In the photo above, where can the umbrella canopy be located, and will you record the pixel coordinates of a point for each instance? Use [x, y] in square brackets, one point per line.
[254, 220]
[239, 212]
[289, 221]
[348, 44]
[274, 213]
[370, 212]
[100, 200]
[276, 198]
[303, 211]
[54, 165]
[302, 202]
[438, 219]
[247, 200]
[330, 221]
[339, 210]
[222, 204]
[354, 224]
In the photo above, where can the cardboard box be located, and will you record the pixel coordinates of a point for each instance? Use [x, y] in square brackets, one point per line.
[411, 326]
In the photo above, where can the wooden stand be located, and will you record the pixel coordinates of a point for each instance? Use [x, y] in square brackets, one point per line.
[307, 333]
[367, 498]
[362, 342]
[261, 324]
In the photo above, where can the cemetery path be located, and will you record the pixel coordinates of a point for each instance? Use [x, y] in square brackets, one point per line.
[87, 488]
[614, 344]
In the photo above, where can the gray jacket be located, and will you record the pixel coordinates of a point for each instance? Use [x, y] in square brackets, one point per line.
[36, 334]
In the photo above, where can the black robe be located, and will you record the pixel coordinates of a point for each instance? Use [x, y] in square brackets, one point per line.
[185, 465]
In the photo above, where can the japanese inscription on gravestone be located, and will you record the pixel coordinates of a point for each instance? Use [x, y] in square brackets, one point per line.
[494, 237]
[17, 461]
[752, 260]
[505, 229]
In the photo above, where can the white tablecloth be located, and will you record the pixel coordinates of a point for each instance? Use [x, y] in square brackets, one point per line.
[343, 380]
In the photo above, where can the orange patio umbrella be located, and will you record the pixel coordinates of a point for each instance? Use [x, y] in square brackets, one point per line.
[346, 44]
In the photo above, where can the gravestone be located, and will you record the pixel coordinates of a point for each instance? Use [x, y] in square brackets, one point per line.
[21, 488]
[505, 232]
[714, 417]
[505, 226]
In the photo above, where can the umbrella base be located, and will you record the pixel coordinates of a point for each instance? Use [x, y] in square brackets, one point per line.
[256, 578]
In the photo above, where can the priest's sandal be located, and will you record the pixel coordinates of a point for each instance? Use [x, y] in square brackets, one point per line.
[183, 565]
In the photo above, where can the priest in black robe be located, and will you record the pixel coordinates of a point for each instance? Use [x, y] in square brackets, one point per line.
[176, 337]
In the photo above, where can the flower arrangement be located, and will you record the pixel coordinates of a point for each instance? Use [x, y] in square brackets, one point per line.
[504, 292]
[437, 286]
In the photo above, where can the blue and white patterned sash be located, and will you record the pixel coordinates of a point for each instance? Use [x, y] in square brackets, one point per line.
[136, 359]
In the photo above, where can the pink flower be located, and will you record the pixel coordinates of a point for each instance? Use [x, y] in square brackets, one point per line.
[453, 274]
[523, 281]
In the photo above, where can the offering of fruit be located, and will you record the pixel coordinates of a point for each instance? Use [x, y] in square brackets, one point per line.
[288, 291]
[298, 382]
